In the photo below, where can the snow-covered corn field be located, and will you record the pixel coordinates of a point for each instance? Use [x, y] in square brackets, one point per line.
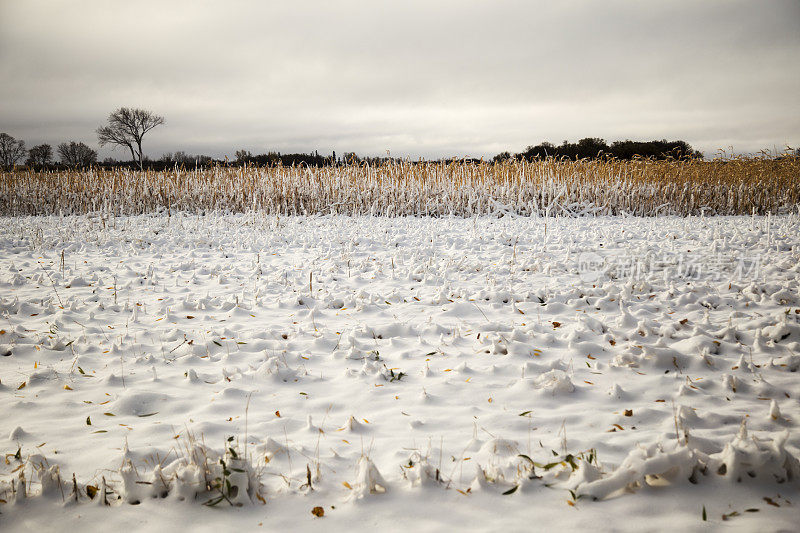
[544, 188]
[425, 373]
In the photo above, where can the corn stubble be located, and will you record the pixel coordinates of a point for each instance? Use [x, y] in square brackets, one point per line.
[739, 186]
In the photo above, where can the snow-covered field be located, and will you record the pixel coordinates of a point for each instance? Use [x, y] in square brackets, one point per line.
[407, 373]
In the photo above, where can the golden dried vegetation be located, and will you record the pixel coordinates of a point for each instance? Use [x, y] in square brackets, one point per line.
[735, 186]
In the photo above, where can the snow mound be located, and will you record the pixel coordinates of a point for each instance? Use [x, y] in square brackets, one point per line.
[200, 474]
[368, 480]
[743, 460]
[555, 381]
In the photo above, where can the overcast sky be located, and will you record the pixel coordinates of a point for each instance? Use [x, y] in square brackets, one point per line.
[420, 79]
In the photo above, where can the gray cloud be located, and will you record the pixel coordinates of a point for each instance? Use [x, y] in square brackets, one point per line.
[417, 78]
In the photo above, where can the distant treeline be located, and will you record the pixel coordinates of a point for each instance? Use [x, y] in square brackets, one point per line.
[78, 155]
[596, 148]
[312, 160]
[244, 157]
[588, 148]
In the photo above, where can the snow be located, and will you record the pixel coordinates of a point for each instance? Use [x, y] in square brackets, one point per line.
[404, 373]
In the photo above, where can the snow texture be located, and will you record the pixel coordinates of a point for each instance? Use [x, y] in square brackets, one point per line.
[406, 373]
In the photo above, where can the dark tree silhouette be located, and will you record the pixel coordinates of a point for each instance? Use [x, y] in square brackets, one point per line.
[11, 150]
[591, 147]
[502, 156]
[40, 156]
[126, 127]
[243, 156]
[594, 148]
[75, 154]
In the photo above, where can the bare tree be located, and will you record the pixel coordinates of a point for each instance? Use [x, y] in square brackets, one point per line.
[76, 154]
[40, 155]
[126, 127]
[11, 150]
